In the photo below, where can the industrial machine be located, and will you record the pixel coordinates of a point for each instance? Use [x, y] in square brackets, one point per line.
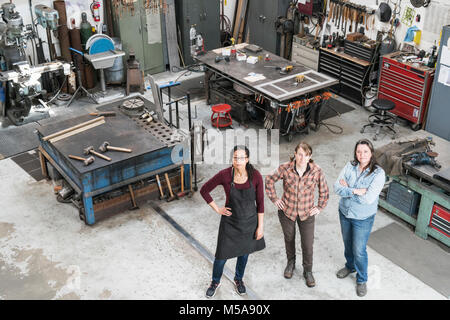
[23, 86]
[13, 35]
[48, 19]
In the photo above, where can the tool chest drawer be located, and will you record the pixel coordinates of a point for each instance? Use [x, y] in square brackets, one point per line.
[352, 73]
[358, 50]
[407, 86]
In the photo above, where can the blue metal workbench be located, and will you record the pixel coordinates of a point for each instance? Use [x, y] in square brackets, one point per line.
[150, 155]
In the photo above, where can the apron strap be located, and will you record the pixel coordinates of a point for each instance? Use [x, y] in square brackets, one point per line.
[232, 178]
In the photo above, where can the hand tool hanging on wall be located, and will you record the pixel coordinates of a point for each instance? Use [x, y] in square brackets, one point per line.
[330, 11]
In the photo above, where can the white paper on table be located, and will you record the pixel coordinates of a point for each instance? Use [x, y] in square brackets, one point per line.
[445, 56]
[254, 78]
[444, 75]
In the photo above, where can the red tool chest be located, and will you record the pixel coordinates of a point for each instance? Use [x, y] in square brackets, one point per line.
[407, 86]
[440, 220]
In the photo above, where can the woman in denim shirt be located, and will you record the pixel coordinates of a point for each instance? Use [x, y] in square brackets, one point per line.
[359, 184]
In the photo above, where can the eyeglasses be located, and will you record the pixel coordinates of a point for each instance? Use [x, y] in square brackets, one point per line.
[239, 158]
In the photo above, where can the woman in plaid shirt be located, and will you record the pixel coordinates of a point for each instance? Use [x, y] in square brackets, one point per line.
[300, 177]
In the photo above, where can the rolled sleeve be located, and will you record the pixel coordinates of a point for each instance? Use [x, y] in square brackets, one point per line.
[339, 189]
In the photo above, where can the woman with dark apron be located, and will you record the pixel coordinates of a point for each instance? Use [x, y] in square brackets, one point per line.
[241, 226]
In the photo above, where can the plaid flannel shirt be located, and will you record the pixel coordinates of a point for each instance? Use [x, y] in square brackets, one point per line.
[298, 195]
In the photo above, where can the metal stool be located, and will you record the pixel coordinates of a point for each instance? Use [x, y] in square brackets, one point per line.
[381, 119]
[217, 119]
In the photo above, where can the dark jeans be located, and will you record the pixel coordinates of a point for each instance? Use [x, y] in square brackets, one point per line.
[220, 264]
[306, 236]
[355, 234]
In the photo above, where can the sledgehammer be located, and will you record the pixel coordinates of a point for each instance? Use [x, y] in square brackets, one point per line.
[172, 196]
[182, 193]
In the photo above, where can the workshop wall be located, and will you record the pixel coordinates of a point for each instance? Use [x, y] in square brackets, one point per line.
[432, 19]
[74, 8]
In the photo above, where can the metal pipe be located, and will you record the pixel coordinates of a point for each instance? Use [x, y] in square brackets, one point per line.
[189, 110]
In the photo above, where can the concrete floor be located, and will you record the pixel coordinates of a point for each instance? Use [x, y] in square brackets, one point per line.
[46, 252]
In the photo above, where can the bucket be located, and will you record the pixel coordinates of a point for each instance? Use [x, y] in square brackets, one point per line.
[115, 74]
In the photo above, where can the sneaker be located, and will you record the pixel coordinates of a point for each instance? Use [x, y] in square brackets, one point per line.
[361, 289]
[289, 270]
[344, 272]
[212, 289]
[309, 279]
[240, 288]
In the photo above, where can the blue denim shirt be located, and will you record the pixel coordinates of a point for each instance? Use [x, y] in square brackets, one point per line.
[359, 207]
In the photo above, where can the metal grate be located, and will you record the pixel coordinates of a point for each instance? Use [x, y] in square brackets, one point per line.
[159, 130]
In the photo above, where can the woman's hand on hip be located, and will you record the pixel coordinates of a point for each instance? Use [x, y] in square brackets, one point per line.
[314, 211]
[225, 211]
[259, 233]
[280, 204]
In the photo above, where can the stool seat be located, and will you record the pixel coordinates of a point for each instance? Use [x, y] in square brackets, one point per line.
[383, 104]
[221, 117]
[221, 108]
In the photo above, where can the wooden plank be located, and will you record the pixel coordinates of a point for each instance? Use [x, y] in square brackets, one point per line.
[53, 135]
[237, 19]
[171, 35]
[242, 21]
[73, 132]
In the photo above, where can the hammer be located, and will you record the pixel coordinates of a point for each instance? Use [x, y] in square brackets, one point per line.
[87, 161]
[90, 149]
[106, 147]
[133, 200]
[172, 196]
[182, 193]
[162, 195]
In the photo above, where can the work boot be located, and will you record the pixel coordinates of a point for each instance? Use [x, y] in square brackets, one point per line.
[289, 270]
[309, 279]
[344, 272]
[361, 289]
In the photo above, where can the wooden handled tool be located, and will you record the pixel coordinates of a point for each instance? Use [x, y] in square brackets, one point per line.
[105, 147]
[330, 12]
[172, 196]
[162, 195]
[86, 161]
[90, 149]
[133, 200]
[105, 114]
[191, 192]
[182, 193]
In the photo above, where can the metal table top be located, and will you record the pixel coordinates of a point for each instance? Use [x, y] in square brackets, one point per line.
[119, 131]
[442, 147]
[279, 87]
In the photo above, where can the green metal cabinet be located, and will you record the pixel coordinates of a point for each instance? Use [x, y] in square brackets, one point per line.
[133, 28]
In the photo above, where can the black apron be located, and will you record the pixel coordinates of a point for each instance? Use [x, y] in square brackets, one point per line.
[237, 232]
